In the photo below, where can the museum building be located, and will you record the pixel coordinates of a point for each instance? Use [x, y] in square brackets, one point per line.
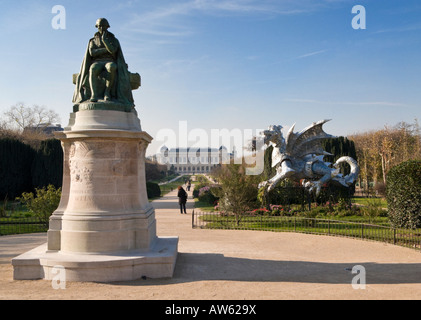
[194, 160]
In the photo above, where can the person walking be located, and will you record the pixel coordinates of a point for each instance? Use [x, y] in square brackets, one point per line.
[182, 199]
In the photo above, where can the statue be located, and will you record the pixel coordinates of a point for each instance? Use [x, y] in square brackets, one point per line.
[300, 156]
[104, 81]
[104, 228]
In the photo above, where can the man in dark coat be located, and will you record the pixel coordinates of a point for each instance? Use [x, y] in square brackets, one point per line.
[182, 199]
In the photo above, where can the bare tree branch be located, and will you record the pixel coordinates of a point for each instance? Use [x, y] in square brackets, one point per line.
[20, 117]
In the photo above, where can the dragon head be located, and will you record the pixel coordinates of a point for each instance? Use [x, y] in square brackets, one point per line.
[273, 135]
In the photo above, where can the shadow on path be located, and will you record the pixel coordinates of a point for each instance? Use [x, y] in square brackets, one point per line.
[192, 267]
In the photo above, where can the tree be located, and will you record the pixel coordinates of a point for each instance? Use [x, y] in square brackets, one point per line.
[268, 170]
[154, 171]
[380, 150]
[15, 167]
[339, 147]
[20, 117]
[43, 204]
[47, 167]
[153, 189]
[237, 191]
[404, 194]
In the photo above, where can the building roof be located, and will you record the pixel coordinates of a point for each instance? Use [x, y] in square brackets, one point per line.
[191, 149]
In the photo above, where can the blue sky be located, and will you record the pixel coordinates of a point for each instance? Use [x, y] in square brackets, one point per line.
[230, 64]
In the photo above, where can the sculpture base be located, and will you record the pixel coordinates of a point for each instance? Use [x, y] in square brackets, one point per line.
[104, 228]
[103, 105]
[40, 263]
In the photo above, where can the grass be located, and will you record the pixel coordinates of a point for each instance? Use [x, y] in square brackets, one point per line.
[14, 210]
[21, 226]
[168, 187]
[367, 219]
[203, 206]
[408, 238]
[15, 218]
[369, 201]
[365, 210]
[166, 179]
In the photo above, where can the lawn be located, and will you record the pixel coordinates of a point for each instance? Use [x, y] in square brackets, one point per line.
[168, 187]
[15, 218]
[342, 228]
[203, 206]
[369, 201]
[367, 219]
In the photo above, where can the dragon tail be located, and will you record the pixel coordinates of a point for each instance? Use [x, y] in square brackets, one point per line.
[353, 175]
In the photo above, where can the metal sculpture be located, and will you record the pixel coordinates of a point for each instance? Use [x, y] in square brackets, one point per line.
[299, 157]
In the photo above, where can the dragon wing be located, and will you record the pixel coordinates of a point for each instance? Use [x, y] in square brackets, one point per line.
[307, 141]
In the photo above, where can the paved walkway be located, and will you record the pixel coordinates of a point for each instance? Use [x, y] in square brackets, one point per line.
[227, 264]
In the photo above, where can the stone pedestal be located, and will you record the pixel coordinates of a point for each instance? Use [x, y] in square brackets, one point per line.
[104, 228]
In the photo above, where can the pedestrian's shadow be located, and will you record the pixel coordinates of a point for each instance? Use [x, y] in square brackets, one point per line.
[192, 267]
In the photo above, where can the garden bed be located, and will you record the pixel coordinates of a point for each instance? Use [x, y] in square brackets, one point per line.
[330, 227]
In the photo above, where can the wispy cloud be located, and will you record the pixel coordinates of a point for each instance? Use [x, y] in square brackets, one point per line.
[399, 29]
[169, 19]
[310, 54]
[245, 7]
[353, 103]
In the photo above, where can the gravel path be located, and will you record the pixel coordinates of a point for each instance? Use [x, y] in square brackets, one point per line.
[224, 264]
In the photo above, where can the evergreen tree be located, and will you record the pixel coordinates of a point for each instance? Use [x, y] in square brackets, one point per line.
[268, 171]
[15, 168]
[339, 147]
[47, 167]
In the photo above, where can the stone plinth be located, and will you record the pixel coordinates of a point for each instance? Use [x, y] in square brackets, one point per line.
[104, 228]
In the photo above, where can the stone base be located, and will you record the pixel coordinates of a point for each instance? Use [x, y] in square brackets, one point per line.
[158, 262]
[103, 105]
[104, 228]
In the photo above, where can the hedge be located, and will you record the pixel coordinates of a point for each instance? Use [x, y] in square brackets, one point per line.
[16, 160]
[403, 194]
[23, 168]
[153, 190]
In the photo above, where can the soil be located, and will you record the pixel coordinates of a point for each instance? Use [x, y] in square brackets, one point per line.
[235, 265]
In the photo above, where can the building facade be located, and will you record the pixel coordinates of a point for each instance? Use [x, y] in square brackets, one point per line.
[46, 128]
[194, 160]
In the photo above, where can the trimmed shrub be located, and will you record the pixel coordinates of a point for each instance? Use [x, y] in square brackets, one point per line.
[153, 190]
[47, 167]
[23, 168]
[206, 195]
[403, 194]
[15, 168]
[197, 188]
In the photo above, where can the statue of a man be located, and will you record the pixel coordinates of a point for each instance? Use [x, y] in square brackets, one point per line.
[104, 74]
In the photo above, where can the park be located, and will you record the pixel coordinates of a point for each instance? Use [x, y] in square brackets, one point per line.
[240, 264]
[290, 214]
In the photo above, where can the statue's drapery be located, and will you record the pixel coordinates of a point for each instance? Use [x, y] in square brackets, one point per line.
[122, 90]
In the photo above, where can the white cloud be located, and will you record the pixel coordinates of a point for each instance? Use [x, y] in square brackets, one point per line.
[354, 103]
[310, 54]
[168, 20]
[411, 28]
